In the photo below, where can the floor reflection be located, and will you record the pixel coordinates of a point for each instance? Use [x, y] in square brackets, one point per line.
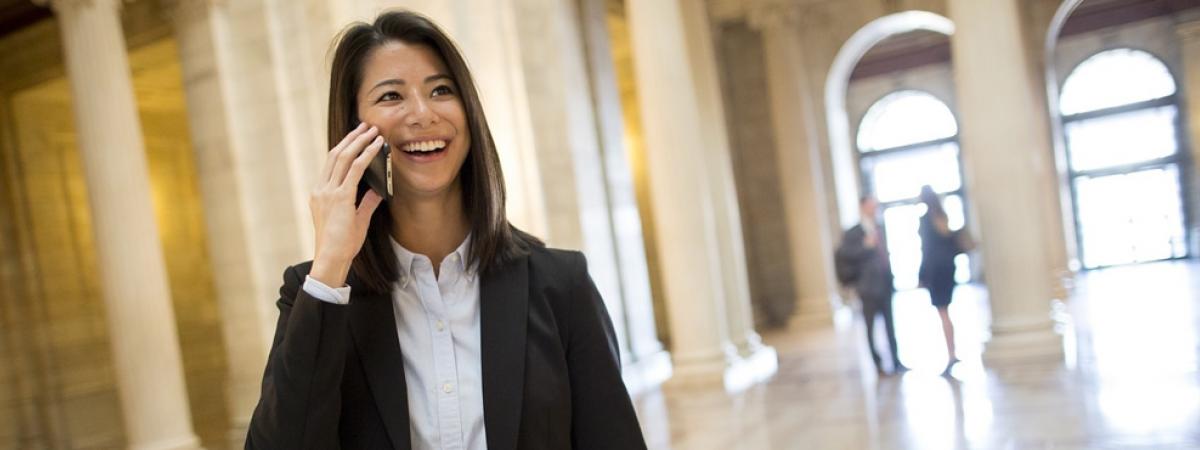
[1130, 380]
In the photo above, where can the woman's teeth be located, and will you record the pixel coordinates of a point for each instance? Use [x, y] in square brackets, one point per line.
[424, 146]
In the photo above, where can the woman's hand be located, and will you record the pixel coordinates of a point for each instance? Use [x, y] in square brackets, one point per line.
[341, 227]
[943, 225]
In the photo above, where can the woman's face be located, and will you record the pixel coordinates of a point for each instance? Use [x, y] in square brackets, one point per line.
[408, 93]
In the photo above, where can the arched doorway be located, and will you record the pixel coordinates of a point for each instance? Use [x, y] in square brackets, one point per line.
[908, 139]
[841, 142]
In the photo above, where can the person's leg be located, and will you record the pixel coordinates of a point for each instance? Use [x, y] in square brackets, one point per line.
[869, 309]
[948, 333]
[890, 326]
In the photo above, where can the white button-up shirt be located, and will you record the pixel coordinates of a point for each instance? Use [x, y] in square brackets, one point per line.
[437, 320]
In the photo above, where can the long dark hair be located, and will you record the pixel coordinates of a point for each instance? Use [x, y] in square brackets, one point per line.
[493, 240]
[933, 203]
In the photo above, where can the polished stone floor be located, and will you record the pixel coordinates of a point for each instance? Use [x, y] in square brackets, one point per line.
[1129, 380]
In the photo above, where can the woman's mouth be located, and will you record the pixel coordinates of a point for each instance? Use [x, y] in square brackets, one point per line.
[425, 150]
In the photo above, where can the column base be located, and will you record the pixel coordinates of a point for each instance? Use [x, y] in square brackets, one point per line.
[236, 436]
[182, 443]
[752, 369]
[733, 374]
[814, 313]
[1037, 341]
[648, 373]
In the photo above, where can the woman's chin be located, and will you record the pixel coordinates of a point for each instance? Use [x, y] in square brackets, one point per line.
[425, 189]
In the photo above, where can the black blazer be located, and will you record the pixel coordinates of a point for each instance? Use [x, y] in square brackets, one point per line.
[551, 372]
[873, 270]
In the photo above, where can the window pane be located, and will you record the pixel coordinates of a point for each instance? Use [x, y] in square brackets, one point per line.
[1131, 217]
[1119, 139]
[905, 118]
[899, 176]
[904, 243]
[1114, 78]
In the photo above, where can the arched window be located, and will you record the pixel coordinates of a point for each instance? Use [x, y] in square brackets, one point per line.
[908, 139]
[1121, 121]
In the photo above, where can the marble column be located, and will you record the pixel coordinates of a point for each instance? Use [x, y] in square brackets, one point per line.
[800, 173]
[141, 321]
[651, 363]
[1007, 153]
[679, 188]
[246, 95]
[567, 145]
[245, 301]
[1188, 30]
[762, 361]
[671, 94]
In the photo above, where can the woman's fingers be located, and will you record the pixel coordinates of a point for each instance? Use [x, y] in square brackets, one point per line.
[362, 162]
[370, 201]
[346, 156]
[331, 158]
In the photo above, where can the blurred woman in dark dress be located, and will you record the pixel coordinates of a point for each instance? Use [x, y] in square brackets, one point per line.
[939, 246]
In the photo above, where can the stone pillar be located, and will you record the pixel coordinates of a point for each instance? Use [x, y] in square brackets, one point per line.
[670, 96]
[246, 97]
[245, 294]
[800, 171]
[141, 322]
[567, 145]
[761, 360]
[1188, 30]
[679, 188]
[299, 40]
[1007, 158]
[651, 363]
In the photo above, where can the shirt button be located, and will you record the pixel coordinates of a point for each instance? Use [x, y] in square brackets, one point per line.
[441, 325]
[447, 388]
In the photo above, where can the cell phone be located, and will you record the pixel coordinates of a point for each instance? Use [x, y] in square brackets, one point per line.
[378, 176]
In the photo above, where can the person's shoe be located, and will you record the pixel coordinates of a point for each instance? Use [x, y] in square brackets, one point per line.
[949, 365]
[898, 368]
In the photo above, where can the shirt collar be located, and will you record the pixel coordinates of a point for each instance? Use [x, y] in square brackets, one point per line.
[459, 257]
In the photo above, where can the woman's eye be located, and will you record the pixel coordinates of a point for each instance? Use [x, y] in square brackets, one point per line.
[390, 96]
[442, 90]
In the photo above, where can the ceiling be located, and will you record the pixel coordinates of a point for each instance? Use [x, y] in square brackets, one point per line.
[919, 48]
[903, 51]
[16, 14]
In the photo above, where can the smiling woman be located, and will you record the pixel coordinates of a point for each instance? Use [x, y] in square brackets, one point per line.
[454, 311]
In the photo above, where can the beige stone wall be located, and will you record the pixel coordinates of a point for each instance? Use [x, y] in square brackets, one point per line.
[752, 148]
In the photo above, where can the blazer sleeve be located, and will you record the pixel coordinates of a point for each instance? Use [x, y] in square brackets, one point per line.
[301, 391]
[602, 414]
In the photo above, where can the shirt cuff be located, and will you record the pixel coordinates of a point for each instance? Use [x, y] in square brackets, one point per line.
[319, 291]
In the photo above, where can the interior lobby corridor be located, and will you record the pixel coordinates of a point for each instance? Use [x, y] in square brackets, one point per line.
[1129, 380]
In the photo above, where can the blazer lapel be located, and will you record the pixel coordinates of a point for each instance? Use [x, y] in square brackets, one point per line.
[504, 305]
[374, 330]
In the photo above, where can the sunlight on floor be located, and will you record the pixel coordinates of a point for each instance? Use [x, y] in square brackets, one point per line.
[1130, 380]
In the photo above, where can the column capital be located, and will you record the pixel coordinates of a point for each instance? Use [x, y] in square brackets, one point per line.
[769, 15]
[1188, 27]
[182, 10]
[66, 6]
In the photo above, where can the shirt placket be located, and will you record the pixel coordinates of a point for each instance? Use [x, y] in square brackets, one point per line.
[445, 366]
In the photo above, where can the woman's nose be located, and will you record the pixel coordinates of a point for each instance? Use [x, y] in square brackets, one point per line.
[420, 115]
